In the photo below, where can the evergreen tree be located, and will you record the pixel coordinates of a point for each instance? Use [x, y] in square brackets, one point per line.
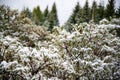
[26, 13]
[101, 11]
[53, 18]
[34, 17]
[46, 12]
[118, 12]
[75, 18]
[86, 12]
[37, 16]
[46, 17]
[94, 11]
[110, 9]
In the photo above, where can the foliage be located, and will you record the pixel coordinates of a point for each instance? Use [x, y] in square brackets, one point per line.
[89, 48]
[53, 18]
[9, 19]
[118, 12]
[46, 18]
[37, 16]
[110, 10]
[86, 12]
[75, 18]
[94, 11]
[88, 52]
[26, 13]
[101, 11]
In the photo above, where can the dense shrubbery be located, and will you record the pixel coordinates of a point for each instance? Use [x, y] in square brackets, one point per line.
[88, 52]
[91, 49]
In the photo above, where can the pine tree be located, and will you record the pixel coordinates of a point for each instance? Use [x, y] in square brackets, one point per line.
[37, 16]
[75, 18]
[46, 17]
[53, 18]
[110, 9]
[118, 12]
[26, 13]
[94, 11]
[34, 17]
[86, 12]
[101, 11]
[46, 12]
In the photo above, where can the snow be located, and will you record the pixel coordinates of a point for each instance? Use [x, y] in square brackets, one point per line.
[68, 66]
[85, 49]
[104, 21]
[107, 48]
[4, 64]
[25, 51]
[93, 51]
[9, 38]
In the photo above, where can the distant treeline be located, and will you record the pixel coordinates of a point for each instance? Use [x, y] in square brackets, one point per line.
[46, 18]
[95, 13]
[80, 14]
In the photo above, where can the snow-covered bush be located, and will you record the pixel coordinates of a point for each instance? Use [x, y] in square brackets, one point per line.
[115, 21]
[11, 23]
[113, 26]
[38, 31]
[88, 52]
[91, 49]
[104, 21]
[9, 19]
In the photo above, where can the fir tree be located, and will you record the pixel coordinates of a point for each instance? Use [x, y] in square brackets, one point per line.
[86, 12]
[53, 18]
[94, 11]
[34, 17]
[46, 17]
[26, 13]
[118, 12]
[110, 9]
[75, 18]
[101, 11]
[46, 12]
[37, 16]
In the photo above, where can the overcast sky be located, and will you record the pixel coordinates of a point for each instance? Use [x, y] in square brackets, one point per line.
[64, 7]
